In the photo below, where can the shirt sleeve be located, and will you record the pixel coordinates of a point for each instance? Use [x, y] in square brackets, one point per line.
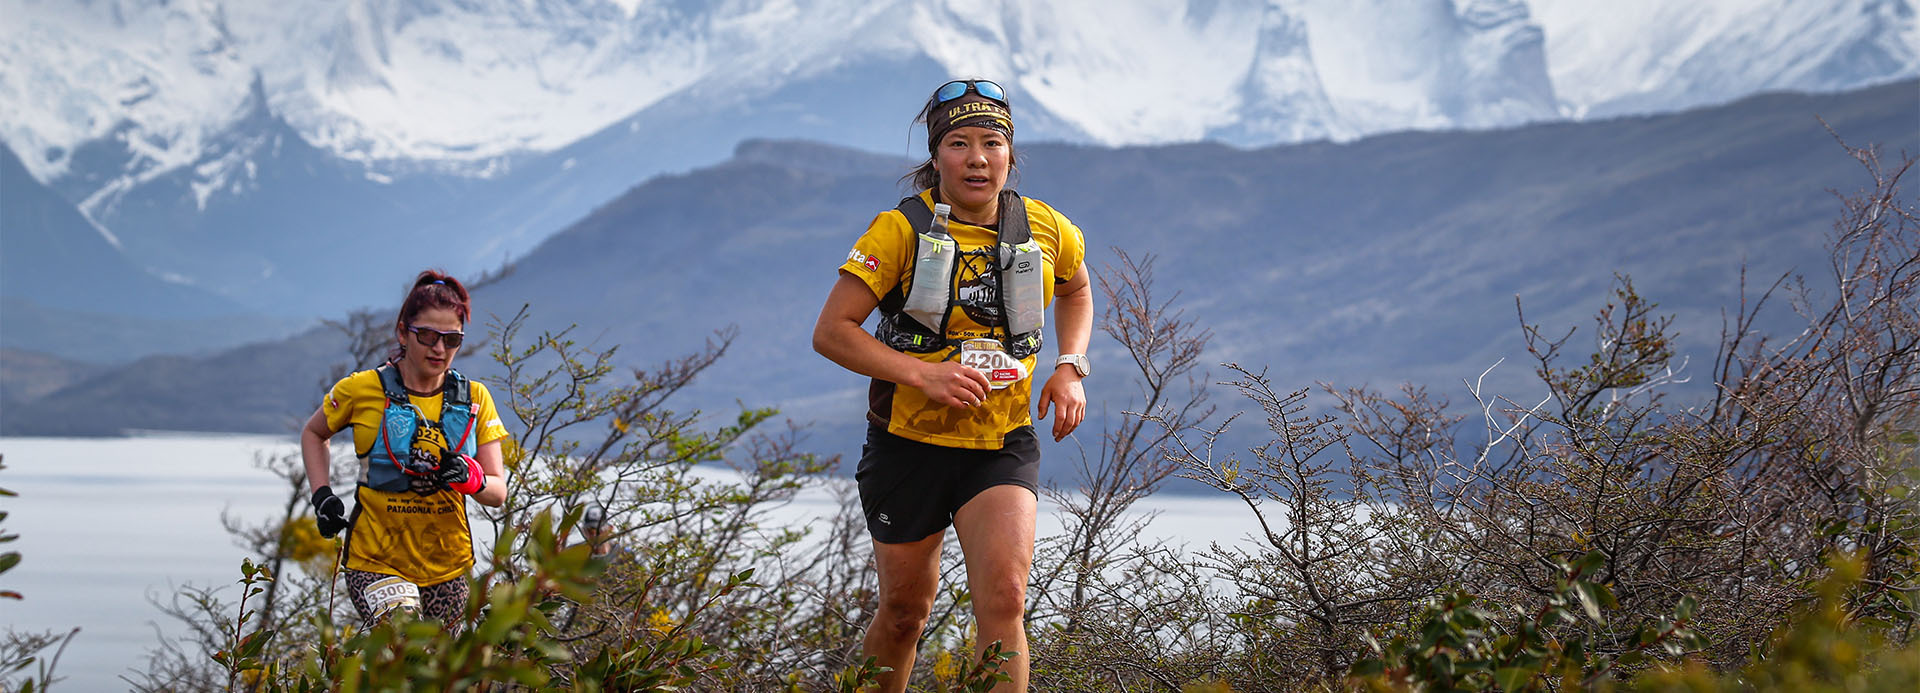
[338, 404]
[491, 428]
[879, 257]
[1073, 250]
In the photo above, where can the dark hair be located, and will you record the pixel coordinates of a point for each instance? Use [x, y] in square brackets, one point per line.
[434, 289]
[926, 176]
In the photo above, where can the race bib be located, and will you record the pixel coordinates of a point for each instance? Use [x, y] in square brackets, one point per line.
[990, 357]
[389, 593]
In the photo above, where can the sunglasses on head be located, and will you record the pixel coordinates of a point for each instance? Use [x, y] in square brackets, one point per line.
[428, 336]
[959, 87]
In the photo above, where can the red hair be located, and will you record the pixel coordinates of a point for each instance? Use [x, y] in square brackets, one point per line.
[434, 289]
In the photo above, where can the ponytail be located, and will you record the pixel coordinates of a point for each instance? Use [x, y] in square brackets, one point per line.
[434, 289]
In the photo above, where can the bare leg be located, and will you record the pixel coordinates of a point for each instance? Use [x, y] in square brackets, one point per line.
[996, 535]
[909, 578]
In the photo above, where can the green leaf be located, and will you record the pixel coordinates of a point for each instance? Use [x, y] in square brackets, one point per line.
[1588, 601]
[251, 645]
[1686, 607]
[1512, 678]
[8, 560]
[1588, 563]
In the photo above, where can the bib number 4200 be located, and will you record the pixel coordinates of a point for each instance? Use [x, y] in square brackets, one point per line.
[990, 357]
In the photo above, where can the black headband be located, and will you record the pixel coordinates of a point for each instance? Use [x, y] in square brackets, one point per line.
[967, 111]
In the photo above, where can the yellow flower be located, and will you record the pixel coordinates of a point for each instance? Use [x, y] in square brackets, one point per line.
[660, 622]
[511, 453]
[946, 669]
[300, 540]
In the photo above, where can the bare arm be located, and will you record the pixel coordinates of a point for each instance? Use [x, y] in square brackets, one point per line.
[837, 336]
[313, 450]
[1073, 314]
[1072, 328]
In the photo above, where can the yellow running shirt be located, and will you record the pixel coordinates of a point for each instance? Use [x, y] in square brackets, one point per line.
[423, 538]
[881, 258]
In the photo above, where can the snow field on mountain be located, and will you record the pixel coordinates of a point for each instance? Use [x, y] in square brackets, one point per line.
[1124, 73]
[70, 75]
[407, 84]
[1628, 56]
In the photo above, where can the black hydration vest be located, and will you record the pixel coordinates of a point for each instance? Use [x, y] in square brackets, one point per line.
[903, 333]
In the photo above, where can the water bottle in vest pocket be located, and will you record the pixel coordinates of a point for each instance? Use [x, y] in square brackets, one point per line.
[933, 273]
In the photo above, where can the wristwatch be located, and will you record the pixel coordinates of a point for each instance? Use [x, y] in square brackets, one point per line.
[1080, 363]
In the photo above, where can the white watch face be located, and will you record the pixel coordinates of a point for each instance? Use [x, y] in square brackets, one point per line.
[1081, 364]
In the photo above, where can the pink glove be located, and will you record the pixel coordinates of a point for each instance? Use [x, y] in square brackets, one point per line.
[462, 473]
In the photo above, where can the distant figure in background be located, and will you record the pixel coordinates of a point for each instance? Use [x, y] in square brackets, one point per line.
[962, 274]
[593, 532]
[427, 438]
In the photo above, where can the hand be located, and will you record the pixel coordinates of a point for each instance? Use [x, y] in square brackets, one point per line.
[461, 473]
[328, 512]
[952, 384]
[1067, 397]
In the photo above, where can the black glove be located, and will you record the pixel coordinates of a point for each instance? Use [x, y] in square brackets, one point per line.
[328, 512]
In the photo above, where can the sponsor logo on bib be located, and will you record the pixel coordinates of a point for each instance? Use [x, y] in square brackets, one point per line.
[990, 357]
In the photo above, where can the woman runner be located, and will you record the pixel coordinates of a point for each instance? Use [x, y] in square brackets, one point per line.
[961, 273]
[427, 438]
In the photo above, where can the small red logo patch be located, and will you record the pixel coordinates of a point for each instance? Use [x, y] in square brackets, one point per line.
[873, 263]
[1003, 374]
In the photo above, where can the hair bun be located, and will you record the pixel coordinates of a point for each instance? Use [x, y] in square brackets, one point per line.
[435, 289]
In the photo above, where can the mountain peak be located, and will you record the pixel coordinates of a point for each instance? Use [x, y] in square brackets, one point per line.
[443, 83]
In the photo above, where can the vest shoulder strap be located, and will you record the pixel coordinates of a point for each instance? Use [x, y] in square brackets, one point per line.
[455, 392]
[1013, 219]
[919, 215]
[390, 383]
[1014, 230]
[919, 219]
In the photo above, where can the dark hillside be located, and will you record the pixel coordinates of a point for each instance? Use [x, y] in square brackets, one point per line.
[1394, 258]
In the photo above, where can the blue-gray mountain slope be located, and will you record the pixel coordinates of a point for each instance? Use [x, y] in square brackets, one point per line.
[1393, 258]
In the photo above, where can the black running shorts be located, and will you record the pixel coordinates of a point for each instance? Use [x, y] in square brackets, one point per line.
[910, 490]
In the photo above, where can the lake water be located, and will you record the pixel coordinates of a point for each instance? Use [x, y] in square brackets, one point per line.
[107, 525]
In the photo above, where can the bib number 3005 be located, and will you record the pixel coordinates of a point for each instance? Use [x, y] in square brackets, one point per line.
[990, 357]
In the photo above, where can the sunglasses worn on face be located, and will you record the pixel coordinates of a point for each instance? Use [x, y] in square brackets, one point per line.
[428, 336]
[959, 87]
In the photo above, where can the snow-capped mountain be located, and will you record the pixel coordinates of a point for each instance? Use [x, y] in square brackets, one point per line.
[1639, 56]
[407, 84]
[251, 147]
